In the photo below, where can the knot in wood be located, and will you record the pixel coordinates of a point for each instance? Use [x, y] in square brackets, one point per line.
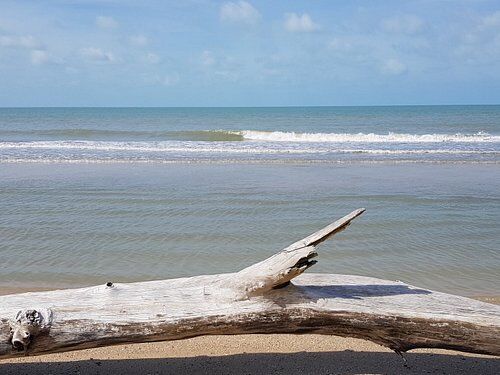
[28, 324]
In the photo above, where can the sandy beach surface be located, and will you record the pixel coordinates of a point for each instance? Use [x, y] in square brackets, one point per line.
[253, 354]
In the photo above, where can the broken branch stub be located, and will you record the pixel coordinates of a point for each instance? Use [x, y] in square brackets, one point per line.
[27, 325]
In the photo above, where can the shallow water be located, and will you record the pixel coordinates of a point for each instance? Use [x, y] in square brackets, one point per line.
[66, 225]
[89, 195]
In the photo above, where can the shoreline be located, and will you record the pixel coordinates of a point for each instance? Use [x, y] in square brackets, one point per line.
[248, 161]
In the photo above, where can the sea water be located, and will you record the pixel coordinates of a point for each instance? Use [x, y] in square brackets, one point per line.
[89, 195]
[308, 134]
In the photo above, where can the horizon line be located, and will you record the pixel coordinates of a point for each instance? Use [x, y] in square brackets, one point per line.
[269, 106]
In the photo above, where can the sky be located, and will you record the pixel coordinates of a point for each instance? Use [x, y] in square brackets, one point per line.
[248, 53]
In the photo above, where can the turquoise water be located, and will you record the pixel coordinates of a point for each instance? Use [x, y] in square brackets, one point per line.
[91, 202]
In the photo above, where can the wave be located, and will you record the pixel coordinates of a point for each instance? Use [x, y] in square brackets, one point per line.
[241, 161]
[220, 147]
[244, 135]
[165, 146]
[229, 152]
[109, 134]
[278, 136]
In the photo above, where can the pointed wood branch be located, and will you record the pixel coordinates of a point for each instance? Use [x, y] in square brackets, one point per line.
[278, 270]
[258, 299]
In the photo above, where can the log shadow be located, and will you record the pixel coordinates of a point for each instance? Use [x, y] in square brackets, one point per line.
[312, 293]
[342, 362]
[359, 291]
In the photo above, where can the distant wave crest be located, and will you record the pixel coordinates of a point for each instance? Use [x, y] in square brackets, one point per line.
[278, 136]
[242, 135]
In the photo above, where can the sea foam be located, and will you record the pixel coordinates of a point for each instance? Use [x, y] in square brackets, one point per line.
[278, 136]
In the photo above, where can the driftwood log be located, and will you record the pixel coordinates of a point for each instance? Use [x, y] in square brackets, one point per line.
[258, 299]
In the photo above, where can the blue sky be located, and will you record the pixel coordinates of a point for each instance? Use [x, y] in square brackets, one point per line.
[248, 53]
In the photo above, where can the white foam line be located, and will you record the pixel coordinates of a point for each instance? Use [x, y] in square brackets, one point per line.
[239, 161]
[216, 147]
[277, 136]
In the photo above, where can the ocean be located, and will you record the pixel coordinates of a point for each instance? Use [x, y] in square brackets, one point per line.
[308, 134]
[90, 195]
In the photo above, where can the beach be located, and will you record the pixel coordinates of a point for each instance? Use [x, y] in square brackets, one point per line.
[253, 354]
[249, 187]
[90, 196]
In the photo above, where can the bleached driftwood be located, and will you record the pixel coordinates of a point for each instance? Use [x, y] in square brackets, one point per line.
[258, 299]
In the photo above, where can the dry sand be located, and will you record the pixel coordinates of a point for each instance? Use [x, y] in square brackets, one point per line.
[253, 354]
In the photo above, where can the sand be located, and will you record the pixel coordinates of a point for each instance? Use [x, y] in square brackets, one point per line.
[253, 354]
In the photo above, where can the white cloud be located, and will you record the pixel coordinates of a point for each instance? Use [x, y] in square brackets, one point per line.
[300, 23]
[97, 55]
[406, 24]
[39, 57]
[152, 58]
[19, 41]
[164, 80]
[340, 44]
[492, 20]
[170, 80]
[480, 44]
[139, 40]
[228, 75]
[105, 22]
[207, 58]
[240, 11]
[393, 67]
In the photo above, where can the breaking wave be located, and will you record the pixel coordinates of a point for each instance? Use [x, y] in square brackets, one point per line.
[240, 135]
[278, 136]
[220, 145]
